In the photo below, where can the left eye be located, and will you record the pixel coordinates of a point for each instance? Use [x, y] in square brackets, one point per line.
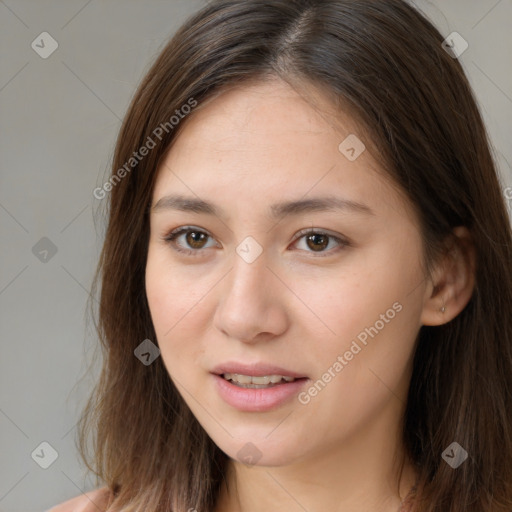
[196, 238]
[320, 240]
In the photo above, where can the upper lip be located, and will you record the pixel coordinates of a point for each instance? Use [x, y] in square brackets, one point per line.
[254, 369]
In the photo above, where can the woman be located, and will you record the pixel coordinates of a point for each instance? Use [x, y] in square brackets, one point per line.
[305, 282]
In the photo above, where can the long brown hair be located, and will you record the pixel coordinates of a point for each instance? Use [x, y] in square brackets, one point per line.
[384, 62]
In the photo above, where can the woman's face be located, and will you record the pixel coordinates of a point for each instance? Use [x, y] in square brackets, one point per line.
[254, 289]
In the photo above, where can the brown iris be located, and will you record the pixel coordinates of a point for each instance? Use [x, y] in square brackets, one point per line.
[194, 239]
[323, 240]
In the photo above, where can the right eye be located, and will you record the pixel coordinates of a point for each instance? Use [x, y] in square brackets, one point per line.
[194, 237]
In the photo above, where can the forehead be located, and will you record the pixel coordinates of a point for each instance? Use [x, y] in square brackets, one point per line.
[265, 109]
[265, 139]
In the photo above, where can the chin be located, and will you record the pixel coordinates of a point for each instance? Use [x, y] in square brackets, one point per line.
[256, 450]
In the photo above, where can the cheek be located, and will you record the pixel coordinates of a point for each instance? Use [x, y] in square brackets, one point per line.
[369, 313]
[341, 304]
[176, 304]
[171, 292]
[365, 365]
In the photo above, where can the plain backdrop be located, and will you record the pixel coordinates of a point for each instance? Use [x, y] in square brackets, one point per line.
[59, 117]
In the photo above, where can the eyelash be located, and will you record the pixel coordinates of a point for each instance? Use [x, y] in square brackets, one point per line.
[170, 238]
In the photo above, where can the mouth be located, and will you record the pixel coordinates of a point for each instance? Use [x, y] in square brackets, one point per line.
[258, 382]
[256, 386]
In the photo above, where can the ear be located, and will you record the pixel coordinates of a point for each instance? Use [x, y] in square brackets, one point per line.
[453, 280]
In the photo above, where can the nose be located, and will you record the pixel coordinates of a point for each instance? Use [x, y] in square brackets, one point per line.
[253, 304]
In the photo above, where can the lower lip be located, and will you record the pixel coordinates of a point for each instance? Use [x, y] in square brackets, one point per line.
[257, 399]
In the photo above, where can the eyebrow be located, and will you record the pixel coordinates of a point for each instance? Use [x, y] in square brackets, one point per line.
[277, 211]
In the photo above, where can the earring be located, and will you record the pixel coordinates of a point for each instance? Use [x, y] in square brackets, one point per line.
[442, 309]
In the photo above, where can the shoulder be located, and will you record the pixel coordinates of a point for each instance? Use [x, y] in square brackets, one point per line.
[92, 501]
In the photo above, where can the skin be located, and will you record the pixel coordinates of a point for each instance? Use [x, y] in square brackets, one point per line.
[298, 305]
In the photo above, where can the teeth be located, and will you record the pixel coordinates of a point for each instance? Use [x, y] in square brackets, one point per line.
[242, 379]
[259, 381]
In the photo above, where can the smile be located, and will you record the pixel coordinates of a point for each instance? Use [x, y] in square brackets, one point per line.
[250, 381]
[253, 396]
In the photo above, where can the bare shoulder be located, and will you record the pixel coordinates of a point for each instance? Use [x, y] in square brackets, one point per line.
[93, 501]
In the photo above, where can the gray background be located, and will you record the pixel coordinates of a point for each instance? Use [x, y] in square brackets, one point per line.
[58, 121]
